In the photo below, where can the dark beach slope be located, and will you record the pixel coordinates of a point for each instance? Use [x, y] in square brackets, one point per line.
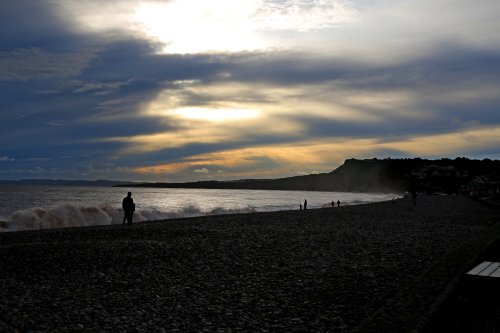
[378, 267]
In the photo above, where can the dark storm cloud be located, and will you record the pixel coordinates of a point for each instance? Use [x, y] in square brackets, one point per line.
[31, 23]
[130, 66]
[437, 82]
[122, 77]
[448, 63]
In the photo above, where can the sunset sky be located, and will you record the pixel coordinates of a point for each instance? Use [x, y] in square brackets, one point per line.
[184, 90]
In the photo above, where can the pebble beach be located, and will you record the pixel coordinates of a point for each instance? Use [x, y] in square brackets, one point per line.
[382, 267]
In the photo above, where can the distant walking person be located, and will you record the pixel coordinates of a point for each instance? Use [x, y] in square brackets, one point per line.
[128, 208]
[305, 204]
[338, 203]
[300, 206]
[333, 204]
[414, 197]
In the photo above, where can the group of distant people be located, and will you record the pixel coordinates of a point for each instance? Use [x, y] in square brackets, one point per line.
[338, 203]
[305, 204]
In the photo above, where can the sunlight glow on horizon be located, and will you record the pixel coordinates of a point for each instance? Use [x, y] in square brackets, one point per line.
[321, 155]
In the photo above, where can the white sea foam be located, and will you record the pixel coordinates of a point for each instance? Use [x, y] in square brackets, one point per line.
[67, 215]
[62, 216]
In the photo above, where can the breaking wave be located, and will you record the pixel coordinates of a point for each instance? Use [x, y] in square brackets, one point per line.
[67, 215]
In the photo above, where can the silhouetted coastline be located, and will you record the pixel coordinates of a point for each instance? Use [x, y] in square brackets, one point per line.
[457, 176]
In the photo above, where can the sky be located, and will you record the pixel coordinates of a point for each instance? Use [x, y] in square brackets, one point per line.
[188, 90]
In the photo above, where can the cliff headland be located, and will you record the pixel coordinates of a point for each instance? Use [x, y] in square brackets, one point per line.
[451, 176]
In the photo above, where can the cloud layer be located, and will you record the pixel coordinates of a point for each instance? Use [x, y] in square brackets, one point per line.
[253, 89]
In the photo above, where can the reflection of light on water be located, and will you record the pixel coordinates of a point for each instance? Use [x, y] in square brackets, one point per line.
[102, 205]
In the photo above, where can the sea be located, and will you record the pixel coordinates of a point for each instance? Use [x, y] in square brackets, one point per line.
[34, 207]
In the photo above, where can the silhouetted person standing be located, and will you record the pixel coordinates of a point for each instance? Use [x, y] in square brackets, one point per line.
[300, 206]
[128, 208]
[305, 204]
[338, 203]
